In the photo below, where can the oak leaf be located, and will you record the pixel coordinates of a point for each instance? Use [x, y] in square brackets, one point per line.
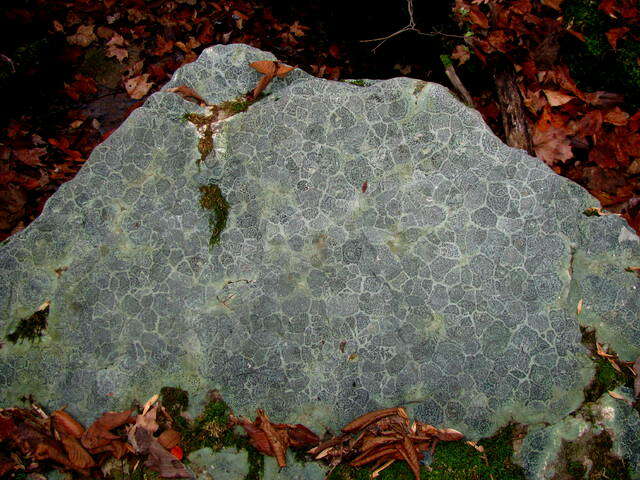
[552, 145]
[138, 87]
[461, 53]
[115, 48]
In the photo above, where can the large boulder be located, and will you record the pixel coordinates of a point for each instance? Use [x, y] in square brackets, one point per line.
[382, 246]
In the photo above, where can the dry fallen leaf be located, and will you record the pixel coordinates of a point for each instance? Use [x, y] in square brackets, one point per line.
[83, 37]
[461, 53]
[99, 434]
[269, 69]
[116, 47]
[552, 145]
[188, 94]
[65, 423]
[557, 98]
[138, 87]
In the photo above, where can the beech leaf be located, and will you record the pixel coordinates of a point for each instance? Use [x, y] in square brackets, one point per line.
[66, 424]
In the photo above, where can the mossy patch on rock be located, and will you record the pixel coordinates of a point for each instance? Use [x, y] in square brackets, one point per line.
[213, 201]
[31, 328]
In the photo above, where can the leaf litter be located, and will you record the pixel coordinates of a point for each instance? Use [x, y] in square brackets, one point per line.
[152, 438]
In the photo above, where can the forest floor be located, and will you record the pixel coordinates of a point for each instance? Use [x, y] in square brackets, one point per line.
[75, 70]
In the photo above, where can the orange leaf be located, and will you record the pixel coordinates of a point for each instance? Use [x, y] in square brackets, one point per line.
[461, 53]
[78, 456]
[616, 34]
[138, 87]
[169, 439]
[552, 145]
[616, 116]
[557, 98]
[268, 67]
[66, 424]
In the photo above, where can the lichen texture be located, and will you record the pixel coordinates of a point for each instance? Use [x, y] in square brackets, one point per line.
[381, 246]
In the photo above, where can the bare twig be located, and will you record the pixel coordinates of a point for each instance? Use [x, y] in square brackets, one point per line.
[410, 27]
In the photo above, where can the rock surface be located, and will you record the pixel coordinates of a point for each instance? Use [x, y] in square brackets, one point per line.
[382, 246]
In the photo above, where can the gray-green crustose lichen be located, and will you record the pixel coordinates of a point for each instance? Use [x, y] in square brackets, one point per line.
[453, 281]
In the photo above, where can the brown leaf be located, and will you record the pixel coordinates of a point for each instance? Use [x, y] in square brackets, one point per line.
[117, 448]
[410, 455]
[188, 94]
[555, 4]
[382, 454]
[616, 116]
[552, 145]
[30, 156]
[282, 70]
[557, 98]
[368, 418]
[267, 67]
[163, 462]
[7, 427]
[276, 441]
[79, 458]
[169, 439]
[300, 436]
[65, 423]
[99, 435]
[449, 435]
[115, 48]
[257, 437]
[616, 34]
[83, 37]
[138, 87]
[477, 17]
[262, 84]
[461, 53]
[602, 352]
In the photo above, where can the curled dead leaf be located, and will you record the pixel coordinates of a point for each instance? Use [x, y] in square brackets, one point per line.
[169, 439]
[65, 423]
[374, 416]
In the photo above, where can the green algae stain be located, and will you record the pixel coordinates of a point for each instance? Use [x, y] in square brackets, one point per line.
[31, 328]
[211, 199]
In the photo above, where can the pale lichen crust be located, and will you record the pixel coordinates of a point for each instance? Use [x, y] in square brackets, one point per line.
[450, 281]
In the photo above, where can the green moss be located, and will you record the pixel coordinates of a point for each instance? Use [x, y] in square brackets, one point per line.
[213, 200]
[455, 461]
[594, 63]
[358, 83]
[345, 472]
[175, 400]
[31, 328]
[606, 377]
[236, 106]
